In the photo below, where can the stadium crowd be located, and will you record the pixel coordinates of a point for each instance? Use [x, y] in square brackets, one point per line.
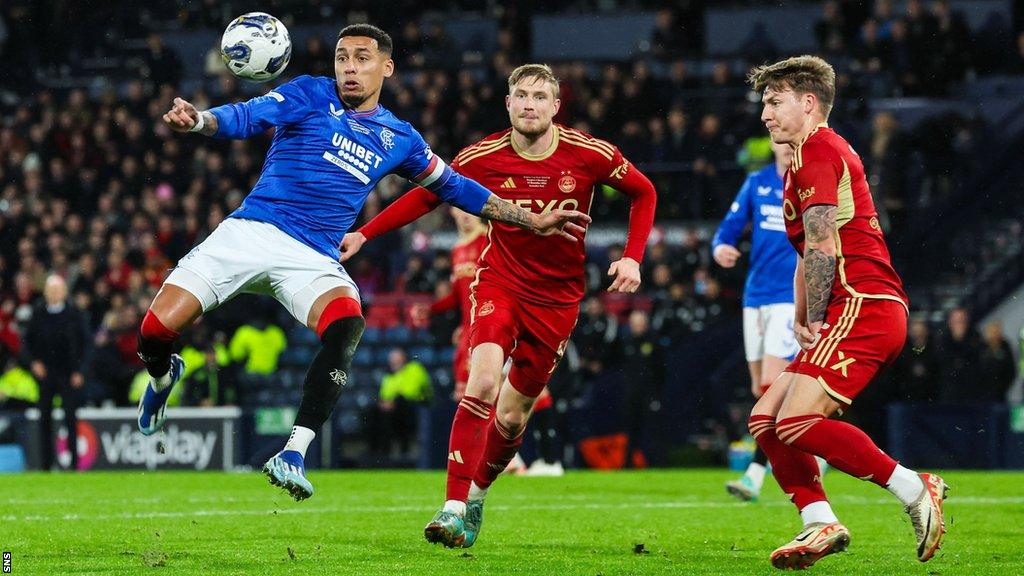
[99, 192]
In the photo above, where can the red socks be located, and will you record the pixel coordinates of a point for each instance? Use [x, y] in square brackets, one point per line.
[500, 449]
[466, 444]
[841, 444]
[796, 471]
[336, 309]
[155, 343]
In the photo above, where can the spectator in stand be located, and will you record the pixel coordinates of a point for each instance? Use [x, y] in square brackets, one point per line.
[56, 349]
[952, 60]
[161, 64]
[667, 40]
[959, 348]
[643, 365]
[996, 369]
[257, 345]
[205, 383]
[407, 385]
[830, 30]
[918, 367]
[18, 389]
[417, 278]
[596, 336]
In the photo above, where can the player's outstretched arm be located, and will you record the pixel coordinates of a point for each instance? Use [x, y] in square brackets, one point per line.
[568, 224]
[183, 117]
[408, 208]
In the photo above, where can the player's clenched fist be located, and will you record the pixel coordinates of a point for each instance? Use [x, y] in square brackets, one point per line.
[726, 255]
[182, 116]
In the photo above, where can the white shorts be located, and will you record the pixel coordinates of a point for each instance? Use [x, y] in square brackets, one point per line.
[246, 256]
[769, 330]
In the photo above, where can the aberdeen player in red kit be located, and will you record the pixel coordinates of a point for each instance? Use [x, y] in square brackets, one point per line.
[527, 290]
[851, 322]
[465, 253]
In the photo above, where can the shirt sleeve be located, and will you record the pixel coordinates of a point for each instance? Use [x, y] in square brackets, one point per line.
[817, 181]
[623, 176]
[449, 302]
[737, 218]
[408, 208]
[426, 169]
[287, 104]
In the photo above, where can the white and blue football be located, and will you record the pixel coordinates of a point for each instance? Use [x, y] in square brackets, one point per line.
[256, 46]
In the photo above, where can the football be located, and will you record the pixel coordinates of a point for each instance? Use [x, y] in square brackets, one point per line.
[256, 46]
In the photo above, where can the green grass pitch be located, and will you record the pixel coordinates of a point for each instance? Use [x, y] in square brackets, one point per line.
[587, 523]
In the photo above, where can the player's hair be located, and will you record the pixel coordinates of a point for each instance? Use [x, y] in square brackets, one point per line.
[538, 71]
[801, 74]
[383, 39]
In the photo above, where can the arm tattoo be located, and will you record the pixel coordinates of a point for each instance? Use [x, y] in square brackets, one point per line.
[210, 126]
[497, 209]
[819, 266]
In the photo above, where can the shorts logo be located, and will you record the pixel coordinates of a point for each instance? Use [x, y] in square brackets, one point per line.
[788, 210]
[874, 223]
[339, 377]
[486, 308]
[567, 183]
[843, 363]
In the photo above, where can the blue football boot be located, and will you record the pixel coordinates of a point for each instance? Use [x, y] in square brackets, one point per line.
[287, 470]
[153, 403]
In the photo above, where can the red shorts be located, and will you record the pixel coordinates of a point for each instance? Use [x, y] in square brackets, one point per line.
[534, 335]
[864, 336]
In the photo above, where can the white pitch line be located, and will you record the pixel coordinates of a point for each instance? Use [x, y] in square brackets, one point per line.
[966, 500]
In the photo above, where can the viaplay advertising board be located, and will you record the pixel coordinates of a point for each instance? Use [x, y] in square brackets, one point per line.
[109, 439]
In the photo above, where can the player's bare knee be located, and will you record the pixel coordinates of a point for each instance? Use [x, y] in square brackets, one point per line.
[175, 307]
[512, 419]
[484, 384]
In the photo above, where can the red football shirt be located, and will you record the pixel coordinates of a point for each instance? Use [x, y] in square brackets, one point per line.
[826, 170]
[464, 267]
[541, 269]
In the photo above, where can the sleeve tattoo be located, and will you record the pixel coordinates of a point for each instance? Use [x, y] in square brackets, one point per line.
[210, 123]
[819, 266]
[497, 209]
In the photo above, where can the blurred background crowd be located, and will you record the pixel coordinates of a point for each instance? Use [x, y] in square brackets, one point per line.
[95, 190]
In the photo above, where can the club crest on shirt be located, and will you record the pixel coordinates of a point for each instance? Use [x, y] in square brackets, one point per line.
[387, 138]
[486, 308]
[567, 183]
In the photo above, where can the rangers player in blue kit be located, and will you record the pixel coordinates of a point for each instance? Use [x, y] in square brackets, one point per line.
[768, 310]
[333, 143]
